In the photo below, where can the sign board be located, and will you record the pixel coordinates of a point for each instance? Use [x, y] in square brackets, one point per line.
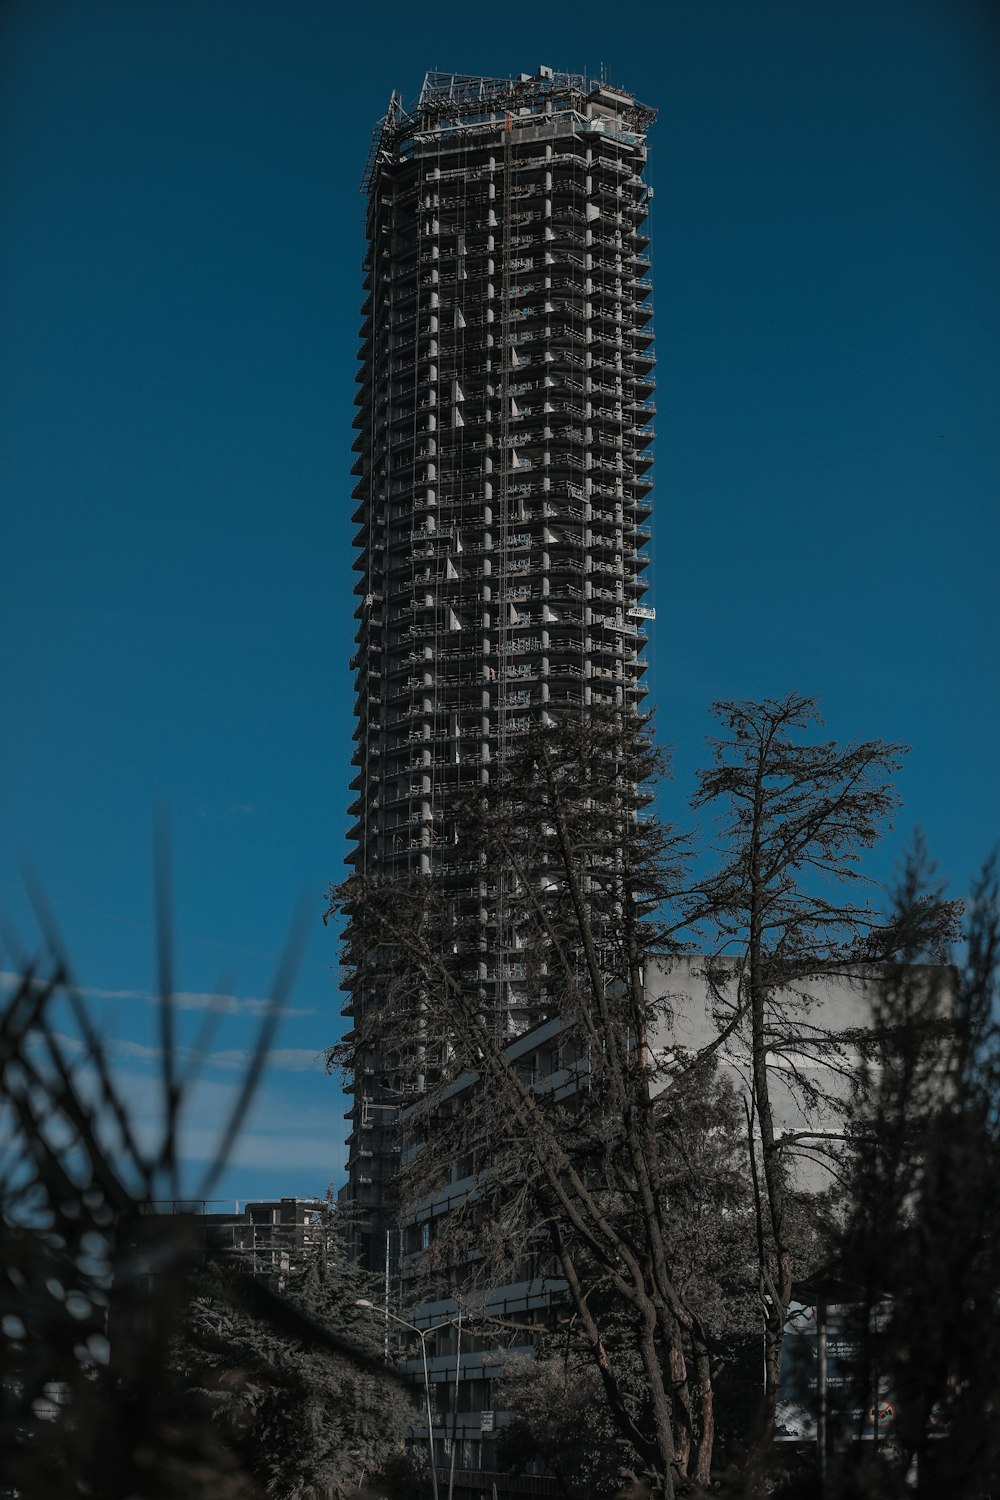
[798, 1402]
[487, 1422]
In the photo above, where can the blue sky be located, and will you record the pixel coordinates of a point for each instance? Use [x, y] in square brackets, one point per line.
[179, 304]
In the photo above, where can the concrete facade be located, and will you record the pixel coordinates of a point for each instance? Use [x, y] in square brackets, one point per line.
[822, 1019]
[503, 495]
[831, 1012]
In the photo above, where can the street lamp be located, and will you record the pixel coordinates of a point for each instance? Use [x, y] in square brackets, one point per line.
[422, 1336]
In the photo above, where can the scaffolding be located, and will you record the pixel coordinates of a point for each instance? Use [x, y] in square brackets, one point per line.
[460, 102]
[503, 423]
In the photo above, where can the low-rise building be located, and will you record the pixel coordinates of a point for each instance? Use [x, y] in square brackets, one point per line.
[816, 1055]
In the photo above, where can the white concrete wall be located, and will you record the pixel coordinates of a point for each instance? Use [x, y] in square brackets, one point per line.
[815, 1053]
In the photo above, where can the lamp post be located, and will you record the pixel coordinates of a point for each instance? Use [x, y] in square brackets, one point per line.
[422, 1336]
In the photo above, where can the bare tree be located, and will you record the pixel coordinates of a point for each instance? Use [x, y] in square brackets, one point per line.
[786, 903]
[600, 1160]
[583, 1171]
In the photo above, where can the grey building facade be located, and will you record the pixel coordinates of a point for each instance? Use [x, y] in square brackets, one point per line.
[811, 1094]
[503, 495]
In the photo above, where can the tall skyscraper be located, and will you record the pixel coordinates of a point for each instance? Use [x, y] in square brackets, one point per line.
[503, 491]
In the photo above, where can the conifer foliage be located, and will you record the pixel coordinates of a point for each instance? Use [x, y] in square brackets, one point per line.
[921, 1244]
[785, 909]
[308, 1420]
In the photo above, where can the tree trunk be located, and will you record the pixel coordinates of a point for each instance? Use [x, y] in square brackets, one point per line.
[702, 1470]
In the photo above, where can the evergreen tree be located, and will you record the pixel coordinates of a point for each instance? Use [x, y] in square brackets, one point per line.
[922, 1243]
[793, 819]
[309, 1420]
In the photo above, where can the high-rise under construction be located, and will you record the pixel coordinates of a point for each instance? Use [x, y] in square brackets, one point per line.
[503, 492]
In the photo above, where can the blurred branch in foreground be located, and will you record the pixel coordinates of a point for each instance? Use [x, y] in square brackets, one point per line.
[95, 1285]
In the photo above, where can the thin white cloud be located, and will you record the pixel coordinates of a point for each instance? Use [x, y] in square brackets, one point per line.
[284, 1130]
[285, 1059]
[254, 1005]
[293, 1127]
[229, 1005]
[135, 1051]
[297, 1154]
[232, 1060]
[71, 1044]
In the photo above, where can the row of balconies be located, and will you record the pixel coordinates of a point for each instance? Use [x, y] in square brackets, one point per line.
[571, 562]
[618, 651]
[553, 694]
[604, 614]
[478, 458]
[556, 497]
[396, 236]
[593, 341]
[487, 697]
[619, 641]
[471, 270]
[546, 453]
[537, 699]
[606, 435]
[609, 279]
[423, 435]
[384, 815]
[401, 745]
[386, 758]
[606, 307]
[598, 528]
[476, 238]
[401, 577]
[526, 203]
[601, 635]
[553, 310]
[473, 273]
[479, 159]
[441, 363]
[417, 723]
[454, 485]
[418, 416]
[591, 181]
[419, 344]
[522, 593]
[397, 546]
[394, 398]
[477, 697]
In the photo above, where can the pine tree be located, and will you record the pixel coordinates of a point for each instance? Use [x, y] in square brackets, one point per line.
[793, 820]
[922, 1243]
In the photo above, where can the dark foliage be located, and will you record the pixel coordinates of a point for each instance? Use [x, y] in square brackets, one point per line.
[606, 1176]
[668, 1207]
[794, 818]
[561, 1421]
[307, 1420]
[922, 1243]
[94, 1285]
